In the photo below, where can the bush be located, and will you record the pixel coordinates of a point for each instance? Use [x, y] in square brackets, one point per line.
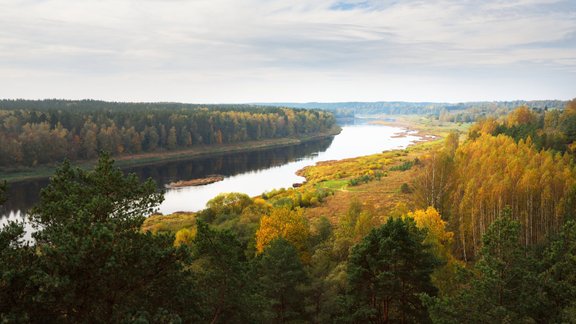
[360, 180]
[403, 167]
[405, 188]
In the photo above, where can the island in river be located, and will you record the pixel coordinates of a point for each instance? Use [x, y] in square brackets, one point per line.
[195, 182]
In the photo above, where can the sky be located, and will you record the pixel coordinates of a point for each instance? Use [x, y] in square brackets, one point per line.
[245, 51]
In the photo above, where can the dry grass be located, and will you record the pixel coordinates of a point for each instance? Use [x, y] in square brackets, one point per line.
[378, 197]
[169, 223]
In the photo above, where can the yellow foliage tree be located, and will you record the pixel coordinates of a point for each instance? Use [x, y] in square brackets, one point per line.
[286, 223]
[492, 172]
[437, 237]
[440, 241]
[185, 236]
[521, 116]
[364, 224]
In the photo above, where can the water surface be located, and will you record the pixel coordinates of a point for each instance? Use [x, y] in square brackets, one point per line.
[250, 172]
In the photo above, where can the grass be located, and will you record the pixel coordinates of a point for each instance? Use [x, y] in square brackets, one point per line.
[333, 184]
[378, 196]
[169, 223]
[425, 125]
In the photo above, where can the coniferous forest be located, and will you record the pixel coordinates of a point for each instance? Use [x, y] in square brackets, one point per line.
[482, 230]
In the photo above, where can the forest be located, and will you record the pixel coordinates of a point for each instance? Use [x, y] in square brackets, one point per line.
[478, 227]
[41, 132]
[455, 112]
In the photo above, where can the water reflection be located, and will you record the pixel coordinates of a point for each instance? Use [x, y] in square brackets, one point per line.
[23, 195]
[252, 173]
[229, 164]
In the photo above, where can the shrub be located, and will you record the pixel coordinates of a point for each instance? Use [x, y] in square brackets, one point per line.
[405, 188]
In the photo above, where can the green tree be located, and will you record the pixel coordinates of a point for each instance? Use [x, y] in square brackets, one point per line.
[281, 278]
[505, 287]
[221, 271]
[559, 276]
[92, 263]
[171, 142]
[3, 189]
[104, 195]
[16, 269]
[388, 270]
[229, 204]
[16, 258]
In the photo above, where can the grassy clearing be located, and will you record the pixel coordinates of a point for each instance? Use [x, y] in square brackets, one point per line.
[169, 223]
[378, 197]
[425, 125]
[333, 184]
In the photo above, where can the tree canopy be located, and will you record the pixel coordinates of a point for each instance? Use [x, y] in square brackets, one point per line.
[388, 270]
[41, 132]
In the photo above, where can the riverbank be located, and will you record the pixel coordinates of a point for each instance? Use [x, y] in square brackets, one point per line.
[125, 161]
[377, 195]
[426, 128]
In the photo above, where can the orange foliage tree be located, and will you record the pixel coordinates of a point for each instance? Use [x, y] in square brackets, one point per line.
[286, 223]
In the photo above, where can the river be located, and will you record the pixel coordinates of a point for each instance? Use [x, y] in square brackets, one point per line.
[251, 172]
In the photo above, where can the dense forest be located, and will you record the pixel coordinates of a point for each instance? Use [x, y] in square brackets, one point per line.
[483, 231]
[455, 112]
[47, 131]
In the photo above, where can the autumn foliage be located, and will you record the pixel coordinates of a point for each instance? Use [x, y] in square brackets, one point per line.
[286, 223]
[493, 172]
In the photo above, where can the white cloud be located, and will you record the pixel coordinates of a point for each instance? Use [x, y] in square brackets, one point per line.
[255, 50]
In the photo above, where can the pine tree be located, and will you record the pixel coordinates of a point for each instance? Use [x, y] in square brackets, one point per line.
[388, 270]
[90, 261]
[281, 278]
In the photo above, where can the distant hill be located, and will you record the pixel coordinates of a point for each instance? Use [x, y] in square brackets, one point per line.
[425, 108]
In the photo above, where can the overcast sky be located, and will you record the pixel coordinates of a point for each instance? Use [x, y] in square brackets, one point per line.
[215, 51]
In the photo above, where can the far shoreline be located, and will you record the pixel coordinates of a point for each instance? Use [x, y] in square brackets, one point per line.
[126, 161]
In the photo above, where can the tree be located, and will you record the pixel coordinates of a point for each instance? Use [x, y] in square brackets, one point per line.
[432, 185]
[232, 203]
[16, 269]
[521, 116]
[3, 189]
[388, 270]
[92, 263]
[451, 143]
[440, 241]
[16, 258]
[559, 276]
[505, 288]
[171, 142]
[221, 271]
[281, 278]
[103, 195]
[286, 223]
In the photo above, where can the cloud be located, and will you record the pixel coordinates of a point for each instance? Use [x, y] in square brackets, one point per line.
[251, 50]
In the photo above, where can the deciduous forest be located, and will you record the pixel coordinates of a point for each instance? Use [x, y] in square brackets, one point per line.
[40, 132]
[477, 227]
